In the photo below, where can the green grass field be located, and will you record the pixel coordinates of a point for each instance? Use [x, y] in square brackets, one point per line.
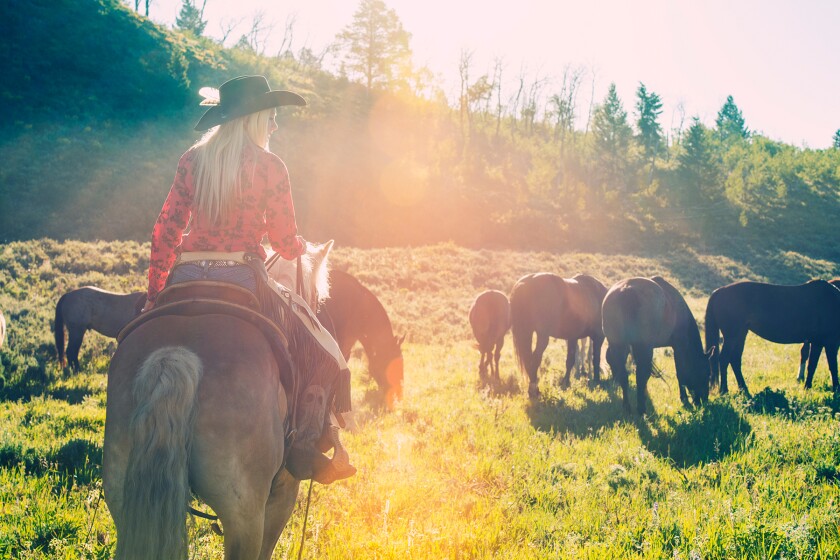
[455, 471]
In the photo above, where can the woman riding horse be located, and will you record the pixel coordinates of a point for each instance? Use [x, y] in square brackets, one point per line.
[233, 191]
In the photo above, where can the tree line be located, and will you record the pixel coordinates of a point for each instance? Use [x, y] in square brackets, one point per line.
[383, 157]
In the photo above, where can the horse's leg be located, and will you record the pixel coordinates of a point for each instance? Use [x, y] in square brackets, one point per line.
[831, 357]
[497, 355]
[580, 360]
[595, 344]
[534, 366]
[813, 360]
[571, 358]
[803, 358]
[74, 344]
[617, 360]
[730, 354]
[236, 488]
[684, 394]
[482, 365]
[278, 510]
[643, 356]
[735, 352]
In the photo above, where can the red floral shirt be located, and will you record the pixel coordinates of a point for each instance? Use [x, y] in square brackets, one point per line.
[264, 207]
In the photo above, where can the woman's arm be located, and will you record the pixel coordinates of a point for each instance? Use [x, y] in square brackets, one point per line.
[169, 230]
[280, 212]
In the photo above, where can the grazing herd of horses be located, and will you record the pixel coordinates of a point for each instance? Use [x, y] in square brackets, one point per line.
[637, 315]
[195, 403]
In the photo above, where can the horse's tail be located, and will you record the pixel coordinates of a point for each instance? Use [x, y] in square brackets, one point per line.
[58, 331]
[712, 341]
[520, 328]
[157, 491]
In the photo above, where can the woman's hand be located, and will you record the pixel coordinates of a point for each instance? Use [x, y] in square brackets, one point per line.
[149, 305]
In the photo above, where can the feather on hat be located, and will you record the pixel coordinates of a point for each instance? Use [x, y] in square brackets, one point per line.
[242, 96]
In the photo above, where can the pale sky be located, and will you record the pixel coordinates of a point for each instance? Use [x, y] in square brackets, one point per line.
[779, 59]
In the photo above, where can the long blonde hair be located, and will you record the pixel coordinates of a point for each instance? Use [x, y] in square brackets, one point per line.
[218, 163]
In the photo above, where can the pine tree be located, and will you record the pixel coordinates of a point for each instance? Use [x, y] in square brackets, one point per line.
[612, 138]
[696, 165]
[649, 107]
[730, 121]
[836, 139]
[376, 44]
[190, 17]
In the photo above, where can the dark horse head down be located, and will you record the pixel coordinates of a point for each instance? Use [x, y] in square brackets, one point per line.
[640, 314]
[548, 305]
[353, 314]
[807, 312]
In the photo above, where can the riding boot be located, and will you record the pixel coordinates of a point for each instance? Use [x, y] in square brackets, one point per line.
[339, 467]
[305, 460]
[303, 454]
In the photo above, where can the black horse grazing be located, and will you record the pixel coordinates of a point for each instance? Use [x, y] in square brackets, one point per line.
[91, 308]
[783, 314]
[641, 314]
[490, 321]
[806, 347]
[352, 313]
[551, 306]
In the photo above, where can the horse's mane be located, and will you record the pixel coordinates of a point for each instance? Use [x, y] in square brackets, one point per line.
[338, 277]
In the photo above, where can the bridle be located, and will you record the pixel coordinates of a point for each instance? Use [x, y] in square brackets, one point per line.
[298, 276]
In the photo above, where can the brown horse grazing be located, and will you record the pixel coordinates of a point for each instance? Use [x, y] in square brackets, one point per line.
[91, 308]
[490, 321]
[807, 312]
[551, 306]
[641, 314]
[805, 351]
[354, 314]
[195, 404]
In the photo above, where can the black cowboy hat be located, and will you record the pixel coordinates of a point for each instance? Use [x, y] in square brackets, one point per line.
[242, 96]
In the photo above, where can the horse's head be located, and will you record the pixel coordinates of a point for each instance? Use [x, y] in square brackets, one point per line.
[386, 366]
[315, 263]
[694, 375]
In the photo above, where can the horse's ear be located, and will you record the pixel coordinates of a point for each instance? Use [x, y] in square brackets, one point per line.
[322, 249]
[399, 339]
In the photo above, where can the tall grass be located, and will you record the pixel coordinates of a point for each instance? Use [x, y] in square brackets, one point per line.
[456, 470]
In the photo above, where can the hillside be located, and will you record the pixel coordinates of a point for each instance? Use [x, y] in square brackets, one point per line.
[100, 112]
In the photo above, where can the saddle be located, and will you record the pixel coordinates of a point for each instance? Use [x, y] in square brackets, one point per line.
[210, 297]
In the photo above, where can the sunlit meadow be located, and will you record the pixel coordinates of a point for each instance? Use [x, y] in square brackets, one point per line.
[456, 470]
